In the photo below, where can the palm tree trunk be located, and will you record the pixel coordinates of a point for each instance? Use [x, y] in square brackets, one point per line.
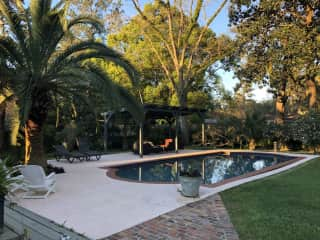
[34, 152]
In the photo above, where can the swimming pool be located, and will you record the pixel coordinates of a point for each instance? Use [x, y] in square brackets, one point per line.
[214, 168]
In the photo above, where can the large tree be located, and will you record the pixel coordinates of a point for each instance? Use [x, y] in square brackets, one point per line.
[38, 70]
[182, 47]
[279, 45]
[173, 47]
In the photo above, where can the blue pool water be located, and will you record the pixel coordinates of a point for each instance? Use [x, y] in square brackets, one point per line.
[213, 168]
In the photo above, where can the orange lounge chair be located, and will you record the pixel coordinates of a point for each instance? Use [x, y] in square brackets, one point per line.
[168, 144]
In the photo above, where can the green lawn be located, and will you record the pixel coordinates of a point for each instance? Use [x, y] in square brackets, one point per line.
[281, 207]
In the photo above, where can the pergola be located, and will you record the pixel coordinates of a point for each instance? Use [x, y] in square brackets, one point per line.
[169, 113]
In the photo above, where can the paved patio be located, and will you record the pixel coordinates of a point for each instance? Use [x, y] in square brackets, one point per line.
[97, 206]
[206, 219]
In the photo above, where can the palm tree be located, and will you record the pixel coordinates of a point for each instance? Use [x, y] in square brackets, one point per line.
[38, 69]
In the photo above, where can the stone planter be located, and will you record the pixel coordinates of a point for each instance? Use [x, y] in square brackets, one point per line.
[190, 186]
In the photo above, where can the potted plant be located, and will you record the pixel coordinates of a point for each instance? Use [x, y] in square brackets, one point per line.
[6, 180]
[190, 181]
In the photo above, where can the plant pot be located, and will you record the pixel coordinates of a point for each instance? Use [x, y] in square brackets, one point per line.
[1, 214]
[190, 186]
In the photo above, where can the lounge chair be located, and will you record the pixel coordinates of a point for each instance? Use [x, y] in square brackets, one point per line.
[168, 144]
[84, 149]
[148, 147]
[18, 181]
[62, 152]
[15, 179]
[37, 182]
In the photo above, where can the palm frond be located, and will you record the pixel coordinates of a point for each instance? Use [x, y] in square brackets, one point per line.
[39, 18]
[90, 49]
[87, 20]
[38, 10]
[25, 102]
[78, 47]
[132, 105]
[15, 22]
[111, 89]
[10, 50]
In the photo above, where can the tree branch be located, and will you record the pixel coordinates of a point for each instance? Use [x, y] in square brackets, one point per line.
[173, 44]
[163, 65]
[204, 29]
[147, 20]
[194, 20]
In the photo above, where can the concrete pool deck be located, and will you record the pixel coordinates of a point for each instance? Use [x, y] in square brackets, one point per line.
[89, 202]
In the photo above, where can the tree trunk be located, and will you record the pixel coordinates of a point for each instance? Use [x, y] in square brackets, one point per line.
[125, 137]
[13, 124]
[2, 117]
[34, 152]
[281, 101]
[13, 121]
[280, 108]
[314, 150]
[311, 92]
[2, 197]
[252, 144]
[182, 120]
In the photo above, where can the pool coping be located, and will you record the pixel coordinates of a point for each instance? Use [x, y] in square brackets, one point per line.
[111, 170]
[160, 157]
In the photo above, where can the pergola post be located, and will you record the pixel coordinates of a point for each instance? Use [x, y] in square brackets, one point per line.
[141, 140]
[203, 134]
[106, 118]
[176, 144]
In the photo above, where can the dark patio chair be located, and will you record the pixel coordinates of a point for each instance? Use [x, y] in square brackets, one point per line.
[148, 147]
[153, 148]
[84, 149]
[62, 152]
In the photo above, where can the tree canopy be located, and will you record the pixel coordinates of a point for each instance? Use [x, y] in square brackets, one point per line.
[278, 45]
[170, 47]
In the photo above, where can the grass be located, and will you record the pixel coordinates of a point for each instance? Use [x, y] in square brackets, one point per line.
[281, 207]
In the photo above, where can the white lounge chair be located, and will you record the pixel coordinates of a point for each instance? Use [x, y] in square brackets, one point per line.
[15, 177]
[18, 184]
[37, 182]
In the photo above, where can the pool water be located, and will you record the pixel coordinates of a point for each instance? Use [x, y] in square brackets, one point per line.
[213, 168]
